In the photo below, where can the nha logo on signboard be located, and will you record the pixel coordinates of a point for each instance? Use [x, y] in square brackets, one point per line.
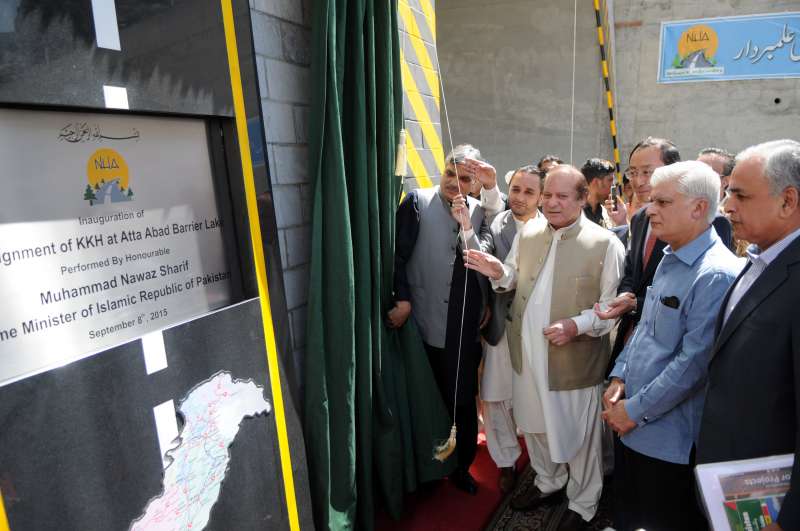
[108, 178]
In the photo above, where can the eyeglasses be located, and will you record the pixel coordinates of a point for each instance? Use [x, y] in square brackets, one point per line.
[633, 173]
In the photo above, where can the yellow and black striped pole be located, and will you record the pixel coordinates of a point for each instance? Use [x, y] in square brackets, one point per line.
[609, 96]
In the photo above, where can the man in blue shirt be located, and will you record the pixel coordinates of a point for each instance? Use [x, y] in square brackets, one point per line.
[655, 399]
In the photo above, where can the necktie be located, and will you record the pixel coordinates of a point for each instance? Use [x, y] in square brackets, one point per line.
[648, 251]
[648, 248]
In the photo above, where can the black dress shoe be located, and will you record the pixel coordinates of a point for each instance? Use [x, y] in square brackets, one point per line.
[507, 479]
[532, 498]
[464, 481]
[572, 521]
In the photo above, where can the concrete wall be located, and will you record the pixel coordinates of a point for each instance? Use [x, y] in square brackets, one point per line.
[507, 69]
[281, 35]
[729, 114]
[507, 72]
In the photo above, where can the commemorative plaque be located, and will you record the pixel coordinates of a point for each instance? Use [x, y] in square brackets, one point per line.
[109, 229]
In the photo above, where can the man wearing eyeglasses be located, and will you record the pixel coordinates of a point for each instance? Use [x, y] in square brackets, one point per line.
[433, 225]
[646, 249]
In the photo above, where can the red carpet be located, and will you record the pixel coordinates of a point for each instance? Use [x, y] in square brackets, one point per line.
[447, 508]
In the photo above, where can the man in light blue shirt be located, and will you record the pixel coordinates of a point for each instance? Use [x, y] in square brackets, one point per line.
[655, 399]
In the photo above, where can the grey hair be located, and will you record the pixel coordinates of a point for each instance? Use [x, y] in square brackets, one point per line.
[695, 179]
[461, 152]
[781, 163]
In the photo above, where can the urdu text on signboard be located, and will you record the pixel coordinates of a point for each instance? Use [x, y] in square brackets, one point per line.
[728, 48]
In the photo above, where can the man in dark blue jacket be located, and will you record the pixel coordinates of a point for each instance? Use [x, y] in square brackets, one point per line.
[752, 406]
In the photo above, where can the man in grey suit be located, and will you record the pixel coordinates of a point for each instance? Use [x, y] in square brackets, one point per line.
[430, 280]
[524, 190]
[752, 406]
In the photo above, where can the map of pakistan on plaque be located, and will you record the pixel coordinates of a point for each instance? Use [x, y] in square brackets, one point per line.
[198, 460]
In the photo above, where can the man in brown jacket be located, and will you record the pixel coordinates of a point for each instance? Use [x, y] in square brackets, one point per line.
[559, 348]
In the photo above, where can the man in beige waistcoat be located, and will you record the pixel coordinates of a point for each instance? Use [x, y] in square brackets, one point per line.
[559, 348]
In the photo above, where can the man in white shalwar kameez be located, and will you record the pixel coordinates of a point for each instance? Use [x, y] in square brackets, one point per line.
[524, 191]
[560, 271]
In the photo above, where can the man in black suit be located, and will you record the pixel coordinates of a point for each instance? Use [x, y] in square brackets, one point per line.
[754, 374]
[645, 251]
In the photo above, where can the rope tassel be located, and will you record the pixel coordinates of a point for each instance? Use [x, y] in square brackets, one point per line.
[401, 160]
[445, 450]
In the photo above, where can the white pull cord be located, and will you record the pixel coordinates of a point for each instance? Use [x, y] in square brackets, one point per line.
[443, 452]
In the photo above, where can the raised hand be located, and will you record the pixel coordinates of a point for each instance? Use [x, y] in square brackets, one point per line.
[483, 171]
[618, 216]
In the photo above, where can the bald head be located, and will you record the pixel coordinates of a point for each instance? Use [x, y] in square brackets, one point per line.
[564, 195]
[572, 175]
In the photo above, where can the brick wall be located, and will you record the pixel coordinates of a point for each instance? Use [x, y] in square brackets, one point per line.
[421, 99]
[281, 37]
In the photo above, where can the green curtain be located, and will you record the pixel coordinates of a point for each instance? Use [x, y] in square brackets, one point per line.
[362, 381]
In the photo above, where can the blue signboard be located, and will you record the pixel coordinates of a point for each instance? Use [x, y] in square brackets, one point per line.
[744, 47]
